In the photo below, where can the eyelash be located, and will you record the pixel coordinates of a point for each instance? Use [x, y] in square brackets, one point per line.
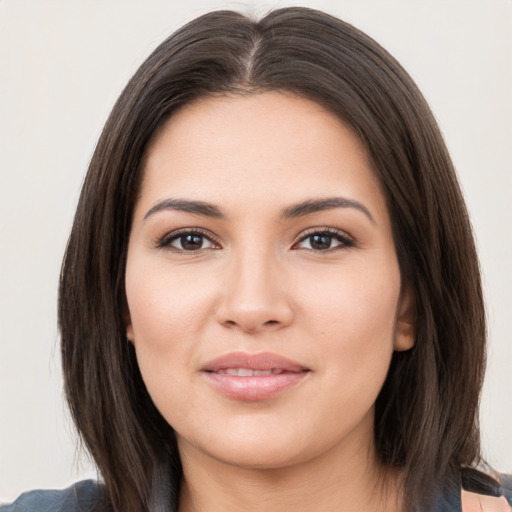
[345, 242]
[166, 241]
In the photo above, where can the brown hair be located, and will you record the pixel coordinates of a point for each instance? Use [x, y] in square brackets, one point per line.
[426, 414]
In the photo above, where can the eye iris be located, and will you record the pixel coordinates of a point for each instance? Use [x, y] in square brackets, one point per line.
[191, 242]
[321, 241]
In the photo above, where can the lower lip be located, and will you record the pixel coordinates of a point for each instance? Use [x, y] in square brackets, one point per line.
[258, 387]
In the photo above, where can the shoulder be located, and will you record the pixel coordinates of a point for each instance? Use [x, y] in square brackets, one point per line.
[482, 498]
[473, 502]
[84, 496]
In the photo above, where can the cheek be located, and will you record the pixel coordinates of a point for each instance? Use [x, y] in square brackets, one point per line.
[351, 317]
[167, 313]
[165, 304]
[353, 304]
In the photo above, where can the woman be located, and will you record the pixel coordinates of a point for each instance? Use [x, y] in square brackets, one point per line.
[270, 297]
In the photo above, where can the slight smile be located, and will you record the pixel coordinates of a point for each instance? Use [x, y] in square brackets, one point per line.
[252, 377]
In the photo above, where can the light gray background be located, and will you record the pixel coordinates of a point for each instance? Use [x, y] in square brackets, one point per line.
[62, 65]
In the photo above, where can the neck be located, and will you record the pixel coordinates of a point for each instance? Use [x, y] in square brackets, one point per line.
[343, 479]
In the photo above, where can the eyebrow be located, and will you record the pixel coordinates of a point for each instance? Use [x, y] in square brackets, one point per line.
[317, 205]
[184, 205]
[296, 210]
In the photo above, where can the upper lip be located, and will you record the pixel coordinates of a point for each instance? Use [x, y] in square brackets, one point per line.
[259, 361]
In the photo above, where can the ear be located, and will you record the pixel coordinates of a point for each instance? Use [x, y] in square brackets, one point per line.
[129, 327]
[405, 329]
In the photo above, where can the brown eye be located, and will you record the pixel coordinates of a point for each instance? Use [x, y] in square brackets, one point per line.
[191, 242]
[320, 242]
[187, 241]
[324, 241]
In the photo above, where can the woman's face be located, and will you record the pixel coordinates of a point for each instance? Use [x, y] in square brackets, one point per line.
[263, 287]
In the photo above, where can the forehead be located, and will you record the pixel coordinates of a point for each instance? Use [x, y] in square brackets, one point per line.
[265, 148]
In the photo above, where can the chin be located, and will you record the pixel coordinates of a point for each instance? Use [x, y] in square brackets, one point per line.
[250, 450]
[260, 458]
[264, 449]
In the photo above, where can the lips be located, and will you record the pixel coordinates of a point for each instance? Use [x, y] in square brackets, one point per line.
[243, 376]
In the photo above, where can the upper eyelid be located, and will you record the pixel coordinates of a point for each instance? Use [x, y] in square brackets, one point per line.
[334, 232]
[172, 235]
[331, 231]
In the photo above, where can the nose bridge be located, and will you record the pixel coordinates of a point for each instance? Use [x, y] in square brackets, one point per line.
[254, 276]
[255, 294]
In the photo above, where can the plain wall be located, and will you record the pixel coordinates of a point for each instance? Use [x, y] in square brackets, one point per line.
[62, 65]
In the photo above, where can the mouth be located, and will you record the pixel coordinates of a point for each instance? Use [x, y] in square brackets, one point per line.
[250, 372]
[251, 377]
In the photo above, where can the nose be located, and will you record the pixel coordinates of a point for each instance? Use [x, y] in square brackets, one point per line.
[254, 295]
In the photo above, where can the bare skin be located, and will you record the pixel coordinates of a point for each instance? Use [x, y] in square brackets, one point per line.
[352, 487]
[472, 502]
[258, 272]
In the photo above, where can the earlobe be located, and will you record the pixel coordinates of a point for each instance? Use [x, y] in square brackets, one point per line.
[406, 321]
[129, 327]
